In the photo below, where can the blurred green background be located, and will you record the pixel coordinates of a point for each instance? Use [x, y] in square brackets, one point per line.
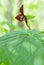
[9, 9]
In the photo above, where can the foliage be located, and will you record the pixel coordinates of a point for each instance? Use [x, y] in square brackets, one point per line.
[22, 48]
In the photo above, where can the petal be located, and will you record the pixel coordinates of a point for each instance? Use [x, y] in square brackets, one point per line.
[20, 17]
[21, 10]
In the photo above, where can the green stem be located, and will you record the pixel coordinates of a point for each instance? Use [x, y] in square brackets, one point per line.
[28, 26]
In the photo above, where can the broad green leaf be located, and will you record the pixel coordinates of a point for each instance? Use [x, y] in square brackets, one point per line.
[22, 48]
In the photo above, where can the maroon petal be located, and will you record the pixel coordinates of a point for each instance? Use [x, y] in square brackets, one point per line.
[21, 10]
[20, 17]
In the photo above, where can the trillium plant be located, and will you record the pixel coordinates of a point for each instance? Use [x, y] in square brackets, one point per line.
[20, 17]
[22, 47]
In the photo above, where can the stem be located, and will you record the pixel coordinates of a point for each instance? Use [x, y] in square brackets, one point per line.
[28, 26]
[27, 23]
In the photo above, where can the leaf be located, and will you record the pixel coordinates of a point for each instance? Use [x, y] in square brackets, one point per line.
[30, 16]
[22, 48]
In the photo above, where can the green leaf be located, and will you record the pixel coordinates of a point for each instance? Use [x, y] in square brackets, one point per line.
[22, 48]
[30, 16]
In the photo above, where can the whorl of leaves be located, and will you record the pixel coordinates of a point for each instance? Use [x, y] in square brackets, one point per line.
[22, 48]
